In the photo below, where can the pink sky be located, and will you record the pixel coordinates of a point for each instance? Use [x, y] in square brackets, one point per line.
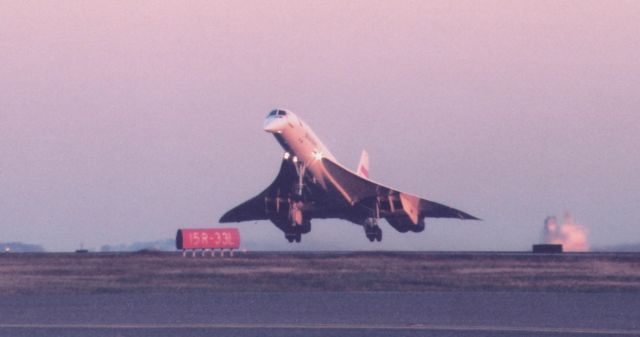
[124, 121]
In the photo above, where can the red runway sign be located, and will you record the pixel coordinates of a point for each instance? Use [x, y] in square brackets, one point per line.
[208, 238]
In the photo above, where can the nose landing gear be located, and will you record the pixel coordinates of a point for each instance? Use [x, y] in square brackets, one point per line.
[301, 169]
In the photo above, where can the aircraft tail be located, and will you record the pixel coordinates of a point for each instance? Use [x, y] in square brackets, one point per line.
[363, 167]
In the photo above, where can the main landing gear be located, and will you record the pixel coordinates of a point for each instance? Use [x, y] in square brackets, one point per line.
[372, 230]
[374, 234]
[293, 237]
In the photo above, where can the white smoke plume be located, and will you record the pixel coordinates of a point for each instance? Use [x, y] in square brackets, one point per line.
[573, 237]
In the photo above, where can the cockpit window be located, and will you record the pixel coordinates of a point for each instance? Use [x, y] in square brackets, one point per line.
[277, 113]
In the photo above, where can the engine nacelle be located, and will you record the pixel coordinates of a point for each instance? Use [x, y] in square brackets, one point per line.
[419, 227]
[295, 213]
[404, 224]
[305, 227]
[296, 221]
[299, 221]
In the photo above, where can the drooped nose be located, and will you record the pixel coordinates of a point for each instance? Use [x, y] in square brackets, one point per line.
[275, 124]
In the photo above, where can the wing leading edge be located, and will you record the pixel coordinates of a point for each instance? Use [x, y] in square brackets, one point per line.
[256, 208]
[358, 190]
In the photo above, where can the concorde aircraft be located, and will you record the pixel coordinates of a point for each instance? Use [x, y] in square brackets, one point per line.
[311, 184]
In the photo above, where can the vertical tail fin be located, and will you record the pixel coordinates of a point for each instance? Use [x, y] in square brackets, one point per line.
[363, 167]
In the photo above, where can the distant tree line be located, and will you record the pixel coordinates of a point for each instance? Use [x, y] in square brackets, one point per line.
[157, 245]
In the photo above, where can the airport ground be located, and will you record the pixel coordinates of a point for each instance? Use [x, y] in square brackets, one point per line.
[320, 294]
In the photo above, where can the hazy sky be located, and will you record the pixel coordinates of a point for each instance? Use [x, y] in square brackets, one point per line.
[124, 121]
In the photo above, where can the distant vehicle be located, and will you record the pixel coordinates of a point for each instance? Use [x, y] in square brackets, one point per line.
[312, 184]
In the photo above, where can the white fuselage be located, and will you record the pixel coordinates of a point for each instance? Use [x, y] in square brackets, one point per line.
[311, 184]
[299, 142]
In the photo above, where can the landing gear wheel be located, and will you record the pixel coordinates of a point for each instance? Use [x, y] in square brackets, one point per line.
[290, 238]
[298, 237]
[374, 233]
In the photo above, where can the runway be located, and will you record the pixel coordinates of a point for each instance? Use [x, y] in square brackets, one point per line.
[320, 294]
[300, 330]
[322, 314]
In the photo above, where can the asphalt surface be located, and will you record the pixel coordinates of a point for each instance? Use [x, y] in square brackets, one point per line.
[144, 272]
[327, 294]
[192, 313]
